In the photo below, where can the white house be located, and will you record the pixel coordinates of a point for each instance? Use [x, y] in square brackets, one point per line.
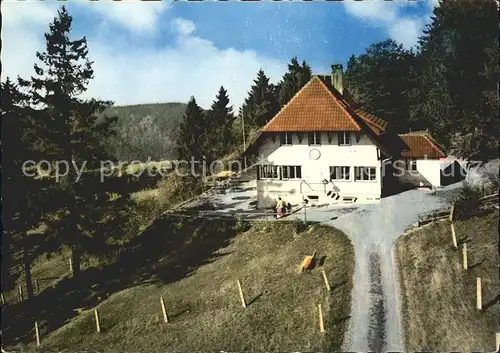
[324, 148]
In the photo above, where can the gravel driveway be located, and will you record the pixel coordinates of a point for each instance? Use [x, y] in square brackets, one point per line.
[375, 322]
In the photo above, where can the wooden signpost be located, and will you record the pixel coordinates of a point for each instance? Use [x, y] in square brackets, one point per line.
[479, 299]
[37, 334]
[164, 310]
[321, 323]
[464, 255]
[242, 296]
[97, 324]
[327, 284]
[454, 236]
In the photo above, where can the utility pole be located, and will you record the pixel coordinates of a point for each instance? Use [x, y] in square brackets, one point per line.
[244, 142]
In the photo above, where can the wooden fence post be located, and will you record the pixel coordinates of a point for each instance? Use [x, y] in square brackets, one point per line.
[242, 296]
[321, 323]
[497, 340]
[37, 334]
[70, 266]
[479, 296]
[454, 236]
[20, 291]
[451, 212]
[464, 255]
[97, 323]
[164, 310]
[37, 288]
[327, 284]
[2, 298]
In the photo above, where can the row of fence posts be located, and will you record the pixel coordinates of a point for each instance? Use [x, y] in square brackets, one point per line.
[20, 291]
[166, 318]
[479, 293]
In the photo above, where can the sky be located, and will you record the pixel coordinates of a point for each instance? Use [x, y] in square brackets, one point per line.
[153, 52]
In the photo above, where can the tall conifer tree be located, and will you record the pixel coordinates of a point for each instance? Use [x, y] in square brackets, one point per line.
[69, 130]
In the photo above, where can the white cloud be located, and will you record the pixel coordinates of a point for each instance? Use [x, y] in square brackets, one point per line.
[142, 74]
[23, 28]
[183, 27]
[135, 15]
[194, 66]
[387, 14]
[381, 11]
[406, 31]
[36, 13]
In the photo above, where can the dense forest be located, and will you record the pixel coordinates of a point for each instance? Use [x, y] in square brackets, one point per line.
[145, 130]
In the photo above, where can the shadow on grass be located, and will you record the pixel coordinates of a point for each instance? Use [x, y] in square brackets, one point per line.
[337, 285]
[340, 320]
[166, 252]
[182, 311]
[477, 264]
[254, 299]
[491, 303]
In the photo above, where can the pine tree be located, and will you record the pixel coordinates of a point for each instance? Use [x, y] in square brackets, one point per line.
[459, 76]
[220, 121]
[261, 104]
[22, 196]
[293, 80]
[381, 79]
[191, 130]
[71, 131]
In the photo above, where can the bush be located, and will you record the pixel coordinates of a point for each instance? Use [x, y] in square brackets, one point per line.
[493, 181]
[176, 188]
[298, 226]
[467, 202]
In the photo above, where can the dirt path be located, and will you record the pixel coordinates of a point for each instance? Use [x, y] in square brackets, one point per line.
[375, 322]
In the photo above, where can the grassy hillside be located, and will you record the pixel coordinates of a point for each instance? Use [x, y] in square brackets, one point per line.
[194, 264]
[146, 130]
[439, 296]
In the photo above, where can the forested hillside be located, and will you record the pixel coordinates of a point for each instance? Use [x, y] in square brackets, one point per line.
[448, 85]
[145, 130]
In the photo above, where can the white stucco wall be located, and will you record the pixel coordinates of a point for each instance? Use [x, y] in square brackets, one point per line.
[430, 170]
[362, 154]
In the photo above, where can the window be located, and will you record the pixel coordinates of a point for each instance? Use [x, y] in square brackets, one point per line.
[365, 173]
[291, 172]
[268, 172]
[286, 138]
[315, 138]
[344, 138]
[411, 164]
[340, 173]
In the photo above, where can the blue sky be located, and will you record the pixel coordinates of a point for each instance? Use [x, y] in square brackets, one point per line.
[168, 51]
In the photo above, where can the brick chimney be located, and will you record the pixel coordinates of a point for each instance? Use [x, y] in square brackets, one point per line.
[338, 78]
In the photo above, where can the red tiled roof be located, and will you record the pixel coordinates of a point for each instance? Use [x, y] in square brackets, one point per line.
[421, 146]
[348, 101]
[374, 120]
[313, 108]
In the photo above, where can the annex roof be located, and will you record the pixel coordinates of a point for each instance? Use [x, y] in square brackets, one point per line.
[421, 145]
